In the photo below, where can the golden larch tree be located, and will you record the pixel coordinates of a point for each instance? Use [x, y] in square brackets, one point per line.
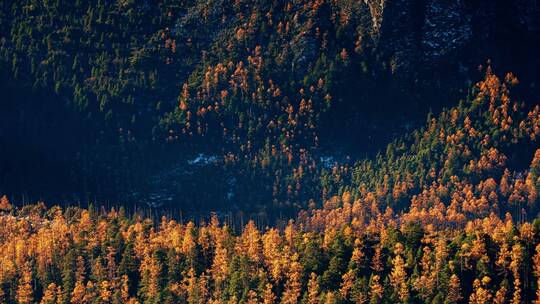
[454, 290]
[293, 286]
[398, 276]
[25, 293]
[313, 292]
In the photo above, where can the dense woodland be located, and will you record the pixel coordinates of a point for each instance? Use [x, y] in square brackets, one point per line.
[446, 215]
[268, 152]
[104, 99]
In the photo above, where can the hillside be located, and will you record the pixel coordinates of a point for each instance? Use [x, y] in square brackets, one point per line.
[292, 152]
[446, 215]
[472, 161]
[96, 89]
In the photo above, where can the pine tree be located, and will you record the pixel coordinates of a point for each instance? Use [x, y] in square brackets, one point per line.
[517, 257]
[124, 289]
[129, 266]
[50, 295]
[348, 280]
[220, 264]
[313, 289]
[425, 284]
[78, 294]
[500, 296]
[376, 263]
[481, 293]
[105, 292]
[196, 288]
[454, 290]
[252, 297]
[536, 267]
[398, 276]
[25, 294]
[268, 296]
[251, 242]
[376, 289]
[68, 272]
[293, 285]
[4, 204]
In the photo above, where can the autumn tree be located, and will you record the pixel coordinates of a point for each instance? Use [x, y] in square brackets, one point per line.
[293, 285]
[398, 276]
[313, 289]
[454, 290]
[25, 291]
[481, 292]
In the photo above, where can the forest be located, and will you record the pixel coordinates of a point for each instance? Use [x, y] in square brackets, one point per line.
[446, 215]
[296, 152]
[114, 101]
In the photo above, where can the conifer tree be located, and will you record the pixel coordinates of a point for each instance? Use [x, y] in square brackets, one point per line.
[25, 293]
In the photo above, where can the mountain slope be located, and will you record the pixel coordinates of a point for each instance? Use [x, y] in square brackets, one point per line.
[473, 160]
[293, 75]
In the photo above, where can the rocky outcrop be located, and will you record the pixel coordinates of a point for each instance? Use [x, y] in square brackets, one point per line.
[529, 14]
[446, 27]
[433, 32]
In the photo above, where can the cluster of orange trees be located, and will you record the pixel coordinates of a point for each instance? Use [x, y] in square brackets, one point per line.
[85, 256]
[444, 214]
